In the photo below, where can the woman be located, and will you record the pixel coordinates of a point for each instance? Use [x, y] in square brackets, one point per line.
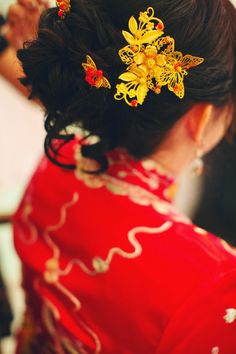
[109, 265]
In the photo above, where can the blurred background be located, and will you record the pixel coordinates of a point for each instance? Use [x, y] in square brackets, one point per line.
[210, 200]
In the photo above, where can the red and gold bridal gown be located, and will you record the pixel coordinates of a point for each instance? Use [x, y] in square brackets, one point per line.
[111, 267]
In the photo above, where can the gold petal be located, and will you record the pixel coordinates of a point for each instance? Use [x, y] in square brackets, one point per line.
[142, 93]
[176, 85]
[128, 77]
[189, 61]
[133, 25]
[181, 92]
[157, 73]
[122, 88]
[86, 66]
[98, 82]
[175, 57]
[140, 71]
[173, 81]
[106, 83]
[139, 58]
[164, 77]
[129, 38]
[90, 62]
[150, 37]
[161, 60]
[126, 54]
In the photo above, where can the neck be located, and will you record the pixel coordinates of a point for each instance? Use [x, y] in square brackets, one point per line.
[174, 161]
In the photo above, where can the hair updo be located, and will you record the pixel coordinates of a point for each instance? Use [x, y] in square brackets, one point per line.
[54, 74]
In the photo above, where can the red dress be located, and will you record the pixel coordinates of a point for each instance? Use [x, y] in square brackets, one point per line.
[111, 267]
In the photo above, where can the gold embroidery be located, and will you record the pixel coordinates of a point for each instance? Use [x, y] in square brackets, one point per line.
[62, 344]
[27, 210]
[69, 295]
[80, 264]
[94, 336]
[49, 316]
[228, 248]
[152, 180]
[135, 193]
[200, 231]
[67, 345]
[102, 266]
[230, 316]
[53, 272]
[64, 208]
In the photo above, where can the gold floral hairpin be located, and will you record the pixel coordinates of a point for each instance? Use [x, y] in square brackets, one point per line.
[151, 60]
[94, 77]
[64, 7]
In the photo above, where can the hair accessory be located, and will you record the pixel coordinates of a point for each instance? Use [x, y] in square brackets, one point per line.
[152, 61]
[64, 7]
[94, 77]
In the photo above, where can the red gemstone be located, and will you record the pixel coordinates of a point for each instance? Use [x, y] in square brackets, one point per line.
[99, 73]
[134, 103]
[91, 72]
[62, 6]
[177, 66]
[160, 26]
[61, 13]
[90, 80]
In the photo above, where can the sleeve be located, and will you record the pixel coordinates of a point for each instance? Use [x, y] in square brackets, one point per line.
[206, 323]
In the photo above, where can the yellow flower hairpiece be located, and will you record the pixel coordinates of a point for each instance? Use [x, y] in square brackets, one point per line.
[152, 61]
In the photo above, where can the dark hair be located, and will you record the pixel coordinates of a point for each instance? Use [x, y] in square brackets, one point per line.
[53, 71]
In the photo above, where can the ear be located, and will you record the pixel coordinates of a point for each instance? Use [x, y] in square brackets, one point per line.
[197, 120]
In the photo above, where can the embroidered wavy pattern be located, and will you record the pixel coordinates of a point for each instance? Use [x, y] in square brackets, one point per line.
[64, 208]
[27, 210]
[103, 265]
[53, 272]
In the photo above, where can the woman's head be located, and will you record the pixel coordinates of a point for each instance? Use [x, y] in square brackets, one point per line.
[52, 65]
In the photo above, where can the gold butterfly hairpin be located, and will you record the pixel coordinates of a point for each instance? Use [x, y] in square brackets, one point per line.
[94, 77]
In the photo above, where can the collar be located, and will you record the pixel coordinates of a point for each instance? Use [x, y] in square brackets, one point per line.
[145, 173]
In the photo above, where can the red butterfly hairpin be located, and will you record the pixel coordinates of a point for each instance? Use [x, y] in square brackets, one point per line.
[64, 7]
[94, 77]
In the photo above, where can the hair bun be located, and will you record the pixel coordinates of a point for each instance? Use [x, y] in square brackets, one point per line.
[53, 69]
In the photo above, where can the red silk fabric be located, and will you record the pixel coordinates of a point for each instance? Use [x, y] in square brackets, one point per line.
[111, 267]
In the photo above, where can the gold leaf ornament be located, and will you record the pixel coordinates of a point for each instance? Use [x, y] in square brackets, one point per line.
[151, 61]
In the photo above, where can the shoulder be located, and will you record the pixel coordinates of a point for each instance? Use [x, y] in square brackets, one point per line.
[179, 260]
[206, 321]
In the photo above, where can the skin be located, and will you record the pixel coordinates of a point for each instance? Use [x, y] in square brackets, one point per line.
[195, 134]
[22, 22]
[10, 69]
